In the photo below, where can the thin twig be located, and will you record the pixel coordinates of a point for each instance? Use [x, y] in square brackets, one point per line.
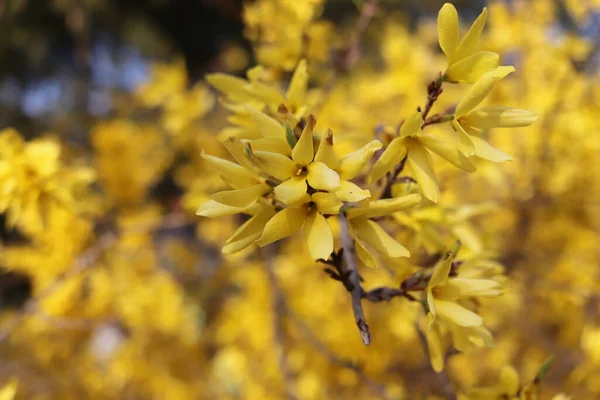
[349, 270]
[349, 55]
[279, 307]
[434, 89]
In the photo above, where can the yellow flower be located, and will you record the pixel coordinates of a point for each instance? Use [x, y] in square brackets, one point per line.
[368, 234]
[470, 119]
[415, 145]
[309, 217]
[464, 63]
[447, 300]
[34, 183]
[299, 171]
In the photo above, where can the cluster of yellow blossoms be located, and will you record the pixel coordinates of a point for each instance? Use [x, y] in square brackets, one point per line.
[493, 271]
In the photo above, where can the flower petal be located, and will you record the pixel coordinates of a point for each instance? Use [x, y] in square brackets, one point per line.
[456, 313]
[348, 191]
[291, 191]
[354, 163]
[499, 116]
[231, 86]
[321, 177]
[476, 287]
[246, 234]
[473, 67]
[273, 145]
[213, 209]
[241, 197]
[468, 44]
[447, 24]
[364, 254]
[297, 89]
[391, 156]
[436, 353]
[412, 125]
[237, 175]
[484, 150]
[325, 153]
[371, 233]
[380, 208]
[447, 151]
[268, 127]
[239, 152]
[327, 203]
[285, 223]
[476, 94]
[303, 153]
[318, 236]
[276, 165]
[265, 93]
[420, 163]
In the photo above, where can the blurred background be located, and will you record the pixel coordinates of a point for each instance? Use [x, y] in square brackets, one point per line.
[130, 296]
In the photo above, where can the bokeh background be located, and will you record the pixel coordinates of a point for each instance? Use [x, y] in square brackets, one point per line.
[130, 297]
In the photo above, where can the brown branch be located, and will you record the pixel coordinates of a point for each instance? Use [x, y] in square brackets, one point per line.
[349, 271]
[434, 89]
[437, 119]
[279, 307]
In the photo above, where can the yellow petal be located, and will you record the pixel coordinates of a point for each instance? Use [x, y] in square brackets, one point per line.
[9, 390]
[318, 236]
[246, 234]
[303, 152]
[468, 44]
[265, 93]
[371, 233]
[242, 197]
[441, 271]
[291, 191]
[480, 336]
[484, 150]
[431, 305]
[364, 254]
[273, 145]
[447, 151]
[391, 156]
[354, 163]
[412, 125]
[276, 165]
[326, 154]
[238, 151]
[297, 89]
[499, 116]
[447, 25]
[473, 67]
[476, 287]
[327, 203]
[321, 177]
[268, 127]
[465, 144]
[509, 380]
[476, 94]
[383, 207]
[348, 191]
[436, 353]
[213, 209]
[460, 338]
[456, 313]
[232, 86]
[420, 164]
[285, 223]
[502, 71]
[237, 175]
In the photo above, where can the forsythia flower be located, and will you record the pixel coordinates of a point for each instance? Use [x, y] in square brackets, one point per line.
[415, 146]
[470, 119]
[448, 299]
[464, 63]
[33, 183]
